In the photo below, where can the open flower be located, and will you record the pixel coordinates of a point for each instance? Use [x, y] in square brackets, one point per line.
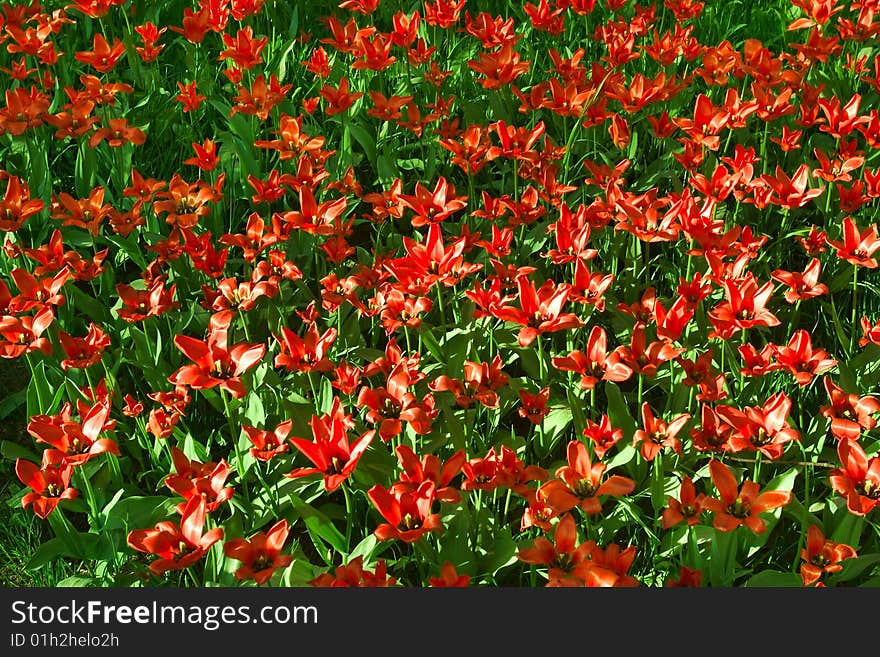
[49, 482]
[214, 362]
[743, 506]
[408, 512]
[331, 453]
[580, 483]
[178, 545]
[260, 555]
[822, 555]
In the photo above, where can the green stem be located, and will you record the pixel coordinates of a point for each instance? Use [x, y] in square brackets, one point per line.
[855, 289]
[239, 459]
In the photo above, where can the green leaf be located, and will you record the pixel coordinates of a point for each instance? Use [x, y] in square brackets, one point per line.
[366, 140]
[853, 568]
[774, 578]
[138, 512]
[318, 524]
[77, 582]
[13, 451]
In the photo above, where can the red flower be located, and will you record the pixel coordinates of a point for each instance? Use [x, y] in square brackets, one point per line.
[331, 453]
[103, 57]
[137, 305]
[765, 429]
[449, 578]
[305, 354]
[188, 97]
[338, 99]
[857, 245]
[802, 285]
[432, 206]
[562, 557]
[178, 546]
[799, 358]
[688, 577]
[849, 413]
[354, 575]
[23, 335]
[408, 512]
[207, 485]
[822, 555]
[687, 507]
[50, 482]
[596, 364]
[481, 380]
[500, 67]
[657, 434]
[83, 352]
[268, 444]
[744, 308]
[740, 507]
[77, 441]
[580, 483]
[392, 405]
[429, 468]
[602, 435]
[214, 363]
[608, 567]
[534, 405]
[858, 480]
[540, 310]
[261, 554]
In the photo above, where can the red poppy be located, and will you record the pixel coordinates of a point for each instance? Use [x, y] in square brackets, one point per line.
[178, 545]
[743, 506]
[50, 482]
[260, 555]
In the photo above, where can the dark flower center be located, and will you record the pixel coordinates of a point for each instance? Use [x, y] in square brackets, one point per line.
[409, 522]
[739, 509]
